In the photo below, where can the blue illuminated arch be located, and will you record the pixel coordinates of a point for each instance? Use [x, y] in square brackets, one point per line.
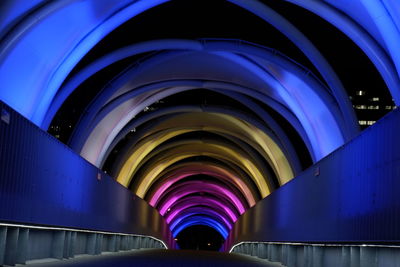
[91, 118]
[109, 59]
[234, 46]
[124, 10]
[362, 38]
[140, 6]
[309, 50]
[208, 211]
[388, 30]
[200, 220]
[46, 67]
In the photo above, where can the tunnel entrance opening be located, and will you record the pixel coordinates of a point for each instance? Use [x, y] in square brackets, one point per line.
[199, 237]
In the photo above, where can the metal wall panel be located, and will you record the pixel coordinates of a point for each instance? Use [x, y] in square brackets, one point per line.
[352, 195]
[43, 182]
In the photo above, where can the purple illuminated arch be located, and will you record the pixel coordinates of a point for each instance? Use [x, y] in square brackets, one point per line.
[181, 172]
[191, 187]
[200, 208]
[215, 203]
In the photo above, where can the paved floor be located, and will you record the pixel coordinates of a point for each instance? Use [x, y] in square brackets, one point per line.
[156, 257]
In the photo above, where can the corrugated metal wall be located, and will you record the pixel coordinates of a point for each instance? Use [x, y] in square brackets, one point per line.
[43, 182]
[352, 195]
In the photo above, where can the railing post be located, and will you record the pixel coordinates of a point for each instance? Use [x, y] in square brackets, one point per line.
[355, 256]
[3, 238]
[346, 257]
[317, 256]
[68, 252]
[57, 249]
[11, 246]
[99, 244]
[368, 257]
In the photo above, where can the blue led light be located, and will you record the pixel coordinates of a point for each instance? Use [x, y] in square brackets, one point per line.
[200, 220]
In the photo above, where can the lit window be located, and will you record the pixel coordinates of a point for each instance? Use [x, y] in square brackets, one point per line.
[388, 107]
[362, 122]
[370, 122]
[360, 106]
[375, 99]
[360, 93]
[373, 107]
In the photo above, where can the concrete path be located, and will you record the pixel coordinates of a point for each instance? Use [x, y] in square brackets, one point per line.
[158, 257]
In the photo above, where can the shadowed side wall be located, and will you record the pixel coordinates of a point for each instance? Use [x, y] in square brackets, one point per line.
[350, 196]
[43, 182]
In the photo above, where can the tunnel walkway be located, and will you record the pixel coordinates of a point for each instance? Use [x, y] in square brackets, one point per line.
[161, 257]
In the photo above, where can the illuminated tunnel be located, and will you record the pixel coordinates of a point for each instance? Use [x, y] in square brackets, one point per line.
[267, 116]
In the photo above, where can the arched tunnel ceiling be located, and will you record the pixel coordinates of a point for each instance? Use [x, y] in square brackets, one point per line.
[202, 128]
